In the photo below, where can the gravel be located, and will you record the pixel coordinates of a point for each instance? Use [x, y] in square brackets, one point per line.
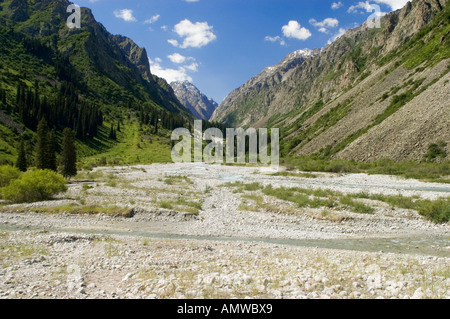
[221, 252]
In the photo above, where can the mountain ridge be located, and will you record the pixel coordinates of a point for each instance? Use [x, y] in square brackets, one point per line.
[347, 94]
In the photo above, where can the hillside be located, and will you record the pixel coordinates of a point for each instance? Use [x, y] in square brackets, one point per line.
[76, 70]
[372, 94]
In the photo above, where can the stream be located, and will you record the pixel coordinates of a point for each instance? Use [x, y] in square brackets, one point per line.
[428, 246]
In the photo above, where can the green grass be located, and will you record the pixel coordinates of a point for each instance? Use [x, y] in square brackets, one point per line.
[178, 180]
[255, 198]
[76, 209]
[240, 187]
[322, 124]
[426, 171]
[356, 206]
[191, 207]
[8, 140]
[303, 175]
[437, 211]
[130, 148]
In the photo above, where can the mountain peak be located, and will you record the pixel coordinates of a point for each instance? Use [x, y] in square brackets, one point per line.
[191, 97]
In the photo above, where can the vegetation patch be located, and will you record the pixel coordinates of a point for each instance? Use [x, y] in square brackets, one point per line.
[175, 180]
[75, 209]
[436, 151]
[190, 207]
[8, 174]
[34, 186]
[427, 171]
[240, 187]
[303, 175]
[437, 211]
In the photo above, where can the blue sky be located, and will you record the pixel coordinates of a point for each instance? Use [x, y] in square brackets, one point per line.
[220, 44]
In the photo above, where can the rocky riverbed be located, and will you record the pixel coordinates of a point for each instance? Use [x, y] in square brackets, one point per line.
[196, 231]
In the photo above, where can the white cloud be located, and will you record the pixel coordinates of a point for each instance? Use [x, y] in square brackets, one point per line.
[328, 22]
[361, 5]
[192, 67]
[173, 42]
[294, 30]
[196, 35]
[325, 24]
[337, 5]
[177, 58]
[125, 14]
[192, 0]
[394, 4]
[272, 39]
[337, 35]
[275, 39]
[152, 19]
[181, 73]
[170, 75]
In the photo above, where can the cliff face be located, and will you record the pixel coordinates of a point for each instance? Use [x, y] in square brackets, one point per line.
[190, 96]
[371, 94]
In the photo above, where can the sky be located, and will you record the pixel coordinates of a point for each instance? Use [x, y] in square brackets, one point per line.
[218, 45]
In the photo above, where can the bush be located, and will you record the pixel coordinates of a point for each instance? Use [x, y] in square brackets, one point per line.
[435, 151]
[437, 211]
[35, 186]
[8, 174]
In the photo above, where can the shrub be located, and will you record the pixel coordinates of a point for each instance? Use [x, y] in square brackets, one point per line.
[356, 206]
[435, 151]
[33, 186]
[437, 211]
[8, 174]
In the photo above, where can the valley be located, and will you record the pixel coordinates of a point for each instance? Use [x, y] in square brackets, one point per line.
[93, 205]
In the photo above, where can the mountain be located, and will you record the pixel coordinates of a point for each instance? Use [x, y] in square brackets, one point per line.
[373, 93]
[71, 76]
[235, 109]
[190, 96]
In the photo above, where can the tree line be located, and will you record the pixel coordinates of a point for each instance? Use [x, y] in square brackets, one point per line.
[46, 149]
[66, 110]
[159, 118]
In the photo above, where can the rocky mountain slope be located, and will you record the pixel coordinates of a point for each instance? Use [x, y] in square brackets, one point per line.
[374, 93]
[234, 109]
[190, 96]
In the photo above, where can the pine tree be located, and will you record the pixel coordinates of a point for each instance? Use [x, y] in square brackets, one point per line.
[21, 162]
[68, 154]
[51, 151]
[111, 132]
[42, 145]
[2, 93]
[45, 147]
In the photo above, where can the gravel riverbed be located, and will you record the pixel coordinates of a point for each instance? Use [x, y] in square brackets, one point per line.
[165, 250]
